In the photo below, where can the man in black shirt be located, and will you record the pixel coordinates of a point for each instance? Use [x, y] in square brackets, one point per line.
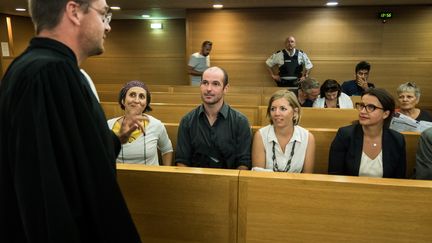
[214, 134]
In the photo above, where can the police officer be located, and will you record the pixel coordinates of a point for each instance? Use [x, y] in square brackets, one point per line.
[294, 65]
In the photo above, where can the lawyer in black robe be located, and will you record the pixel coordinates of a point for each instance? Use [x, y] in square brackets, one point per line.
[57, 155]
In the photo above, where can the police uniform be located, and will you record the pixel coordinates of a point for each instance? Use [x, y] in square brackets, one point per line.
[290, 66]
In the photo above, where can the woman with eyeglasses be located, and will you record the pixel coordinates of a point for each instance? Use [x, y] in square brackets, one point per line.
[143, 146]
[331, 96]
[283, 146]
[370, 148]
[408, 97]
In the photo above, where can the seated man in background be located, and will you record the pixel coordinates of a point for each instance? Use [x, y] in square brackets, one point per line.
[198, 62]
[308, 92]
[214, 135]
[294, 65]
[360, 84]
[423, 168]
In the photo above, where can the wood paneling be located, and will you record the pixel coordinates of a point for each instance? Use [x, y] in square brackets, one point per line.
[172, 204]
[133, 51]
[284, 207]
[335, 39]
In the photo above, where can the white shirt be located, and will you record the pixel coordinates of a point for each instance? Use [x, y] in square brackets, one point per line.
[278, 59]
[199, 63]
[156, 138]
[371, 167]
[300, 137]
[345, 102]
[90, 82]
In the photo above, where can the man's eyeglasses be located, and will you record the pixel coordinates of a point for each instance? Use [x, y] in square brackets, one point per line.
[106, 16]
[369, 108]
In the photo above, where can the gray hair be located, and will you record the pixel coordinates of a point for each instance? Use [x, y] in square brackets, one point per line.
[409, 87]
[308, 84]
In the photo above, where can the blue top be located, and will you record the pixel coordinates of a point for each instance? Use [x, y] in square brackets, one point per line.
[351, 88]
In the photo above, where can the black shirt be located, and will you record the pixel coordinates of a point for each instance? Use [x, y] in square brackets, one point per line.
[226, 144]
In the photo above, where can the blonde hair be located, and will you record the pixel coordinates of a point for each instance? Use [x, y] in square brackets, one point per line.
[292, 100]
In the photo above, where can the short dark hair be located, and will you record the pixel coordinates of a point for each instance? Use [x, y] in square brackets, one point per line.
[330, 85]
[225, 74]
[46, 14]
[363, 65]
[386, 100]
[207, 42]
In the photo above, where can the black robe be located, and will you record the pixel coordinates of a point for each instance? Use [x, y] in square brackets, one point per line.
[57, 155]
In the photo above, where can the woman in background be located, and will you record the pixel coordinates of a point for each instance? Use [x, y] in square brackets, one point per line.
[370, 148]
[142, 147]
[408, 97]
[284, 146]
[331, 96]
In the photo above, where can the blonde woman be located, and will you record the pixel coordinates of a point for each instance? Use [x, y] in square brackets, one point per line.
[284, 146]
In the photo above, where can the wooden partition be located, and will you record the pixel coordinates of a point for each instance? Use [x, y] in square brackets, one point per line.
[282, 207]
[318, 117]
[323, 140]
[187, 98]
[173, 113]
[173, 204]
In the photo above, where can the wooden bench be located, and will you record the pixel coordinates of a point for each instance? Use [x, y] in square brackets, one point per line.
[173, 204]
[323, 140]
[187, 98]
[318, 117]
[283, 207]
[172, 113]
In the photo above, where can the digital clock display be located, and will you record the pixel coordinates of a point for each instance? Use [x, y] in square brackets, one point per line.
[385, 15]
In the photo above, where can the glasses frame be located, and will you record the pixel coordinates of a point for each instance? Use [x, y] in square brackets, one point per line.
[106, 16]
[369, 108]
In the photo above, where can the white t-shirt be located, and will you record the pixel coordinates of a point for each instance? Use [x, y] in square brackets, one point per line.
[90, 82]
[156, 138]
[199, 63]
[345, 102]
[300, 137]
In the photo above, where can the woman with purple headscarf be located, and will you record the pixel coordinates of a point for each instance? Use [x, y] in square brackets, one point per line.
[143, 146]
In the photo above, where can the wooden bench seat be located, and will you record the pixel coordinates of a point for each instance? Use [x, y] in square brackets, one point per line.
[323, 140]
[173, 204]
[187, 98]
[172, 113]
[319, 117]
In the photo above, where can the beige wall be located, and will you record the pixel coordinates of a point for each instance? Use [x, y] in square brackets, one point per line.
[334, 38]
[134, 51]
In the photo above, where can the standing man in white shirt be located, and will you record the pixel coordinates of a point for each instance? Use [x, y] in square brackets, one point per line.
[294, 65]
[199, 62]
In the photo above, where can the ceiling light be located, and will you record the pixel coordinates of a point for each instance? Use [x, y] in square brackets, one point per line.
[332, 3]
[115, 8]
[21, 9]
[156, 26]
[145, 16]
[218, 5]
